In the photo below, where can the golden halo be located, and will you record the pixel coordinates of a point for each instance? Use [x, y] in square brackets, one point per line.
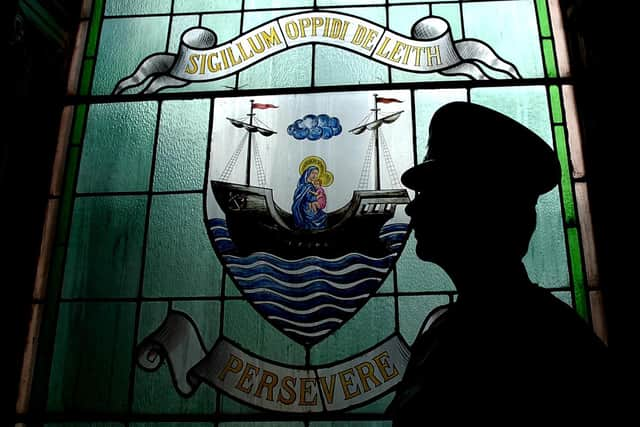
[325, 176]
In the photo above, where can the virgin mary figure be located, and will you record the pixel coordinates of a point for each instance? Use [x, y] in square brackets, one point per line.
[306, 213]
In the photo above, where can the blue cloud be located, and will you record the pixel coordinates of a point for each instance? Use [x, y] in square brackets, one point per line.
[314, 127]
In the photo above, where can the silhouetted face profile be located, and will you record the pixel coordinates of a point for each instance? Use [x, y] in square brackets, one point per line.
[477, 187]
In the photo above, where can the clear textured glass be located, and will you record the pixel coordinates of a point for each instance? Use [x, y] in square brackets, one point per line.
[187, 6]
[137, 7]
[92, 357]
[339, 67]
[105, 245]
[124, 43]
[414, 311]
[118, 147]
[267, 4]
[180, 260]
[179, 24]
[182, 145]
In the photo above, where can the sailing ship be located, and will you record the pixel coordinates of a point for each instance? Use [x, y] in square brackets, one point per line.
[257, 224]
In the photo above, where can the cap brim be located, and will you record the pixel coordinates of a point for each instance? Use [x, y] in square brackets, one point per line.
[417, 177]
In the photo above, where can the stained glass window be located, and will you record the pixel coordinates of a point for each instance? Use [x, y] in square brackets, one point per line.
[175, 287]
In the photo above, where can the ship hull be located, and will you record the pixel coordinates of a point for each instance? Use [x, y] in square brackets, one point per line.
[257, 224]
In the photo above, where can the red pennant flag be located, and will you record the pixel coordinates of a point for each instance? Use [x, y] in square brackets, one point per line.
[263, 106]
[388, 100]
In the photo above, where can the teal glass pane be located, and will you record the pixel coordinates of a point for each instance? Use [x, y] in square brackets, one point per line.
[154, 392]
[105, 245]
[182, 145]
[377, 407]
[291, 68]
[513, 26]
[387, 285]
[229, 405]
[92, 357]
[426, 103]
[415, 275]
[414, 311]
[180, 260]
[335, 66]
[225, 25]
[564, 296]
[266, 4]
[402, 18]
[137, 7]
[70, 424]
[176, 424]
[412, 1]
[187, 6]
[251, 331]
[347, 2]
[373, 323]
[124, 43]
[118, 147]
[377, 15]
[179, 24]
[262, 424]
[546, 260]
[287, 69]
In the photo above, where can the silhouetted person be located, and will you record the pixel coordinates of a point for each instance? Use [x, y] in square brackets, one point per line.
[506, 346]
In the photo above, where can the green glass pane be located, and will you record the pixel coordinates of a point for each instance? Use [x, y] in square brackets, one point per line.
[579, 291]
[564, 296]
[187, 6]
[415, 275]
[105, 246]
[546, 260]
[387, 285]
[70, 424]
[347, 2]
[556, 104]
[335, 66]
[426, 103]
[73, 162]
[266, 4]
[175, 424]
[124, 43]
[549, 58]
[118, 146]
[263, 424]
[80, 115]
[543, 16]
[225, 25]
[179, 24]
[180, 260]
[252, 332]
[85, 79]
[231, 406]
[137, 7]
[373, 323]
[92, 357]
[513, 26]
[92, 39]
[287, 69]
[154, 392]
[414, 311]
[182, 145]
[377, 407]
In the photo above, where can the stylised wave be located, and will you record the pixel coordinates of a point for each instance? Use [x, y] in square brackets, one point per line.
[310, 297]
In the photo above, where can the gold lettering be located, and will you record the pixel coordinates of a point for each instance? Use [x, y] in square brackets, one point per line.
[234, 365]
[407, 51]
[433, 54]
[317, 22]
[343, 33]
[271, 38]
[336, 26]
[382, 47]
[225, 61]
[347, 382]
[203, 63]
[382, 362]
[193, 62]
[253, 44]
[287, 385]
[304, 23]
[210, 65]
[327, 391]
[418, 53]
[396, 49]
[370, 36]
[306, 387]
[292, 30]
[234, 59]
[247, 375]
[268, 381]
[365, 371]
[242, 52]
[325, 32]
[358, 37]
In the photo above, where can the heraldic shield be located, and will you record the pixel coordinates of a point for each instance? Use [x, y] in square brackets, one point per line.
[304, 205]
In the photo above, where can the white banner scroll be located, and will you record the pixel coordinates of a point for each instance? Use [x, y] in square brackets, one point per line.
[431, 49]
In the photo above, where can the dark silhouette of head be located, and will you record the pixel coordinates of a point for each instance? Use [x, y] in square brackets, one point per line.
[477, 188]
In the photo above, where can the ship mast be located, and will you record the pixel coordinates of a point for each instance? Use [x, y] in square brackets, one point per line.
[377, 161]
[251, 114]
